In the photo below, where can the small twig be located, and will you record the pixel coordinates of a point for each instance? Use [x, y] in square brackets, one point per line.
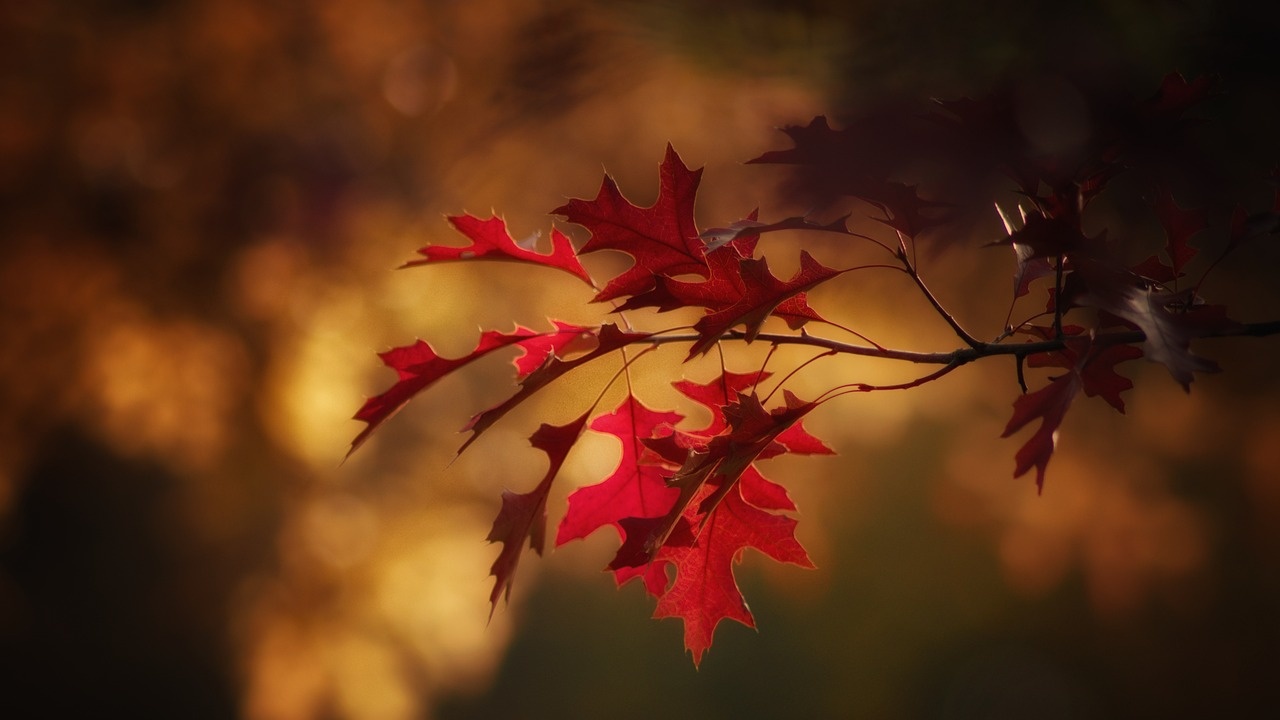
[763, 365]
[969, 354]
[910, 267]
[794, 371]
[850, 388]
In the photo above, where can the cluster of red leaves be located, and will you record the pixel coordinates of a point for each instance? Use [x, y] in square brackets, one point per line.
[683, 501]
[686, 503]
[1144, 297]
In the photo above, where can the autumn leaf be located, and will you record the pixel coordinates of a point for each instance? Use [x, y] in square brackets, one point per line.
[419, 367]
[1095, 362]
[1049, 404]
[635, 489]
[1168, 327]
[1028, 266]
[720, 462]
[662, 239]
[762, 293]
[1180, 225]
[609, 339]
[851, 162]
[725, 287]
[705, 591]
[1045, 237]
[524, 515]
[491, 241]
[538, 349]
[722, 391]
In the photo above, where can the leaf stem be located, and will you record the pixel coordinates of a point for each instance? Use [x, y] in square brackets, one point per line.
[910, 267]
[850, 388]
[797, 369]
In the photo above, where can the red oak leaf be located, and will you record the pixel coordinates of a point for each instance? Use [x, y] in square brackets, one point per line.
[418, 367]
[1045, 237]
[717, 393]
[721, 391]
[524, 515]
[1096, 363]
[762, 293]
[1179, 226]
[536, 350]
[904, 208]
[1167, 323]
[663, 238]
[762, 492]
[723, 509]
[636, 489]
[608, 339]
[491, 241]
[723, 288]
[855, 162]
[797, 441]
[815, 144]
[1029, 267]
[1050, 404]
[723, 460]
[705, 591]
[1099, 376]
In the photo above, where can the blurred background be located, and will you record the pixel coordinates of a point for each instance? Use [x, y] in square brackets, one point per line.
[201, 206]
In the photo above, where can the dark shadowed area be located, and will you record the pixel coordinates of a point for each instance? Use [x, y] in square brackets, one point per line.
[202, 206]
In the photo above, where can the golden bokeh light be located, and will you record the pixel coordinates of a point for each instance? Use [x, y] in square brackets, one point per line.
[205, 206]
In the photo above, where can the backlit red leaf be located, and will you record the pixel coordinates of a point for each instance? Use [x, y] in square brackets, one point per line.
[491, 241]
[524, 515]
[762, 293]
[662, 239]
[705, 591]
[724, 287]
[720, 463]
[636, 489]
[723, 390]
[418, 367]
[609, 339]
[537, 349]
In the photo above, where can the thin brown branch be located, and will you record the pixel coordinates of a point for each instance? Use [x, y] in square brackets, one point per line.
[850, 388]
[910, 267]
[964, 355]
